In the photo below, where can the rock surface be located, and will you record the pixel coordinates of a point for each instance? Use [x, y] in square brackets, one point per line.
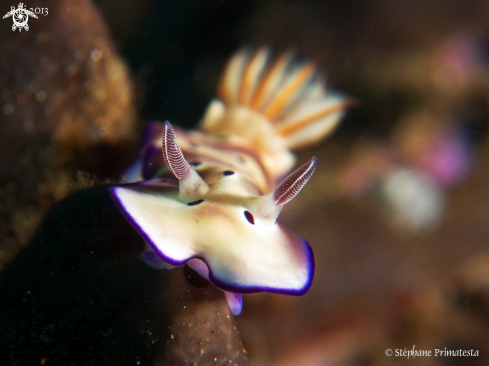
[79, 295]
[66, 104]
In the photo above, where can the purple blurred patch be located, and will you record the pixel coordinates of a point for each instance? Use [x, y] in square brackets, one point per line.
[448, 160]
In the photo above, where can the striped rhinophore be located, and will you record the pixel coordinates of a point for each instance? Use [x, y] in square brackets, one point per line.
[173, 155]
[293, 184]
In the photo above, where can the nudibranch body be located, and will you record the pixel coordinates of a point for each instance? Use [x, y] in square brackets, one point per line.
[212, 198]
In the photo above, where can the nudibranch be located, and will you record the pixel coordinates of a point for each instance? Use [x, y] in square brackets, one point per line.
[211, 198]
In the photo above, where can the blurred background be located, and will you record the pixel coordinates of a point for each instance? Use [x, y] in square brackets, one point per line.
[398, 210]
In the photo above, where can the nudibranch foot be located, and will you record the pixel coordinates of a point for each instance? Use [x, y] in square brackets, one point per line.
[200, 267]
[151, 259]
[235, 302]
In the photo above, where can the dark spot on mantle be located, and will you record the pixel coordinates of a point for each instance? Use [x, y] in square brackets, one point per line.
[194, 203]
[249, 217]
